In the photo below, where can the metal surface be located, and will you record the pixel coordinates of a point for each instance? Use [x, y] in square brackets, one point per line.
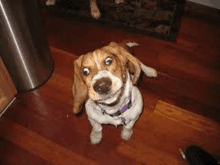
[24, 47]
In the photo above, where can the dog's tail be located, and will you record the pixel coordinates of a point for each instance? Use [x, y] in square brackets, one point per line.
[150, 72]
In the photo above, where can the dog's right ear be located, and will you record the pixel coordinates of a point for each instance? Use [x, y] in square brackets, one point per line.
[79, 89]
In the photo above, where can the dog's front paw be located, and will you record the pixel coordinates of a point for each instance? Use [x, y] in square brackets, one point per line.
[50, 2]
[119, 1]
[126, 133]
[95, 12]
[96, 137]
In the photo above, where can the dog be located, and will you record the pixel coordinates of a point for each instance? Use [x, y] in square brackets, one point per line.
[94, 8]
[105, 81]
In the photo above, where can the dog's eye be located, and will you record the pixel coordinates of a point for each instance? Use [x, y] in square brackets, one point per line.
[85, 71]
[108, 61]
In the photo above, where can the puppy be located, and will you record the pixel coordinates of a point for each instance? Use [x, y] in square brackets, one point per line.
[94, 8]
[105, 81]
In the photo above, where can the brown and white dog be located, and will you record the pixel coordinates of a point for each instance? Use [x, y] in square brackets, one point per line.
[104, 80]
[94, 8]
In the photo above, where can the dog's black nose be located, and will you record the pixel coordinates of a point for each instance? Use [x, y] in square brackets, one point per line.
[103, 85]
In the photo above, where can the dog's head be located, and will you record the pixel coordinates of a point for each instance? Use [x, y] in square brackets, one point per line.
[100, 75]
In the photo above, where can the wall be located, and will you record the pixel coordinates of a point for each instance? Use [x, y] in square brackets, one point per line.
[210, 3]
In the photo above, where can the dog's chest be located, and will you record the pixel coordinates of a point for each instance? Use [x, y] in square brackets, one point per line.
[108, 119]
[95, 112]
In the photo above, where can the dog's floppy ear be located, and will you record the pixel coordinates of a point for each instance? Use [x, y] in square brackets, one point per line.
[129, 60]
[80, 91]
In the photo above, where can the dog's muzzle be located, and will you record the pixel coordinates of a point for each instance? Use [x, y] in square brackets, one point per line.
[103, 85]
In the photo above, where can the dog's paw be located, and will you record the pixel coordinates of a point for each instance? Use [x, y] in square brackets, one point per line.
[95, 137]
[119, 1]
[50, 2]
[126, 133]
[95, 12]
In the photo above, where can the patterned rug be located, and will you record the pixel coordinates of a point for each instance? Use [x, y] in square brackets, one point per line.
[157, 18]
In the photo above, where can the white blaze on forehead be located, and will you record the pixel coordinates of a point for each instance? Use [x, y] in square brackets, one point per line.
[104, 73]
[95, 56]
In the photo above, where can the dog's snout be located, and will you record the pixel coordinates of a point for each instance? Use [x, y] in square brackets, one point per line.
[103, 85]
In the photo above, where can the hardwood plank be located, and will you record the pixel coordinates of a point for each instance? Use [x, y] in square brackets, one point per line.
[195, 92]
[39, 145]
[181, 116]
[70, 132]
[168, 129]
[3, 163]
[13, 154]
[184, 102]
[7, 88]
[199, 31]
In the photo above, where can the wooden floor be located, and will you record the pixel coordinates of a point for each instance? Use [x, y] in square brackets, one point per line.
[181, 106]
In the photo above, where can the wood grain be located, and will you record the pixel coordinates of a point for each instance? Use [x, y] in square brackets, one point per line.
[12, 154]
[41, 146]
[7, 88]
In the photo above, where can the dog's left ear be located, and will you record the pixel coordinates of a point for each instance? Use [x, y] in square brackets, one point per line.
[132, 62]
[79, 89]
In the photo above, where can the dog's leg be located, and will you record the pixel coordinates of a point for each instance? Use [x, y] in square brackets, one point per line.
[96, 134]
[127, 130]
[50, 2]
[94, 9]
[119, 1]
